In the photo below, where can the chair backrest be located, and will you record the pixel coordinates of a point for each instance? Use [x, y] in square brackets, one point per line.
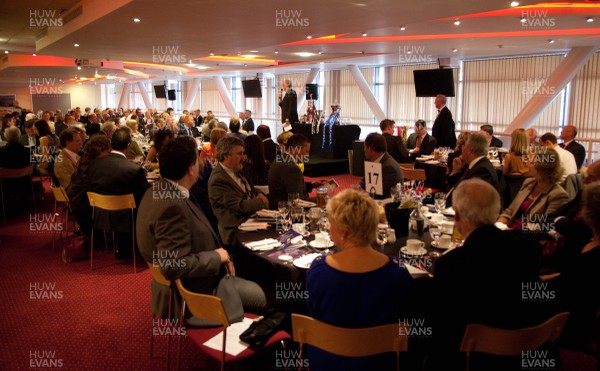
[349, 342]
[16, 173]
[157, 276]
[111, 202]
[409, 166]
[203, 306]
[414, 174]
[59, 194]
[485, 339]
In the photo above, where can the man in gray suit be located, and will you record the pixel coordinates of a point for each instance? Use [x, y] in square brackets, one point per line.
[174, 234]
[376, 151]
[232, 194]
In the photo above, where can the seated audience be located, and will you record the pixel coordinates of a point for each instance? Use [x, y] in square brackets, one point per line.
[232, 195]
[14, 155]
[357, 286]
[472, 163]
[566, 158]
[395, 146]
[188, 127]
[539, 195]
[234, 127]
[391, 174]
[29, 139]
[460, 142]
[98, 146]
[420, 142]
[568, 135]
[264, 132]
[256, 168]
[577, 285]
[513, 161]
[160, 138]
[473, 283]
[488, 132]
[66, 162]
[134, 150]
[174, 234]
[532, 136]
[209, 150]
[47, 150]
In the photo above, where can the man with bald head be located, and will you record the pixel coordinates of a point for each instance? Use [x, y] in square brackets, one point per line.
[568, 135]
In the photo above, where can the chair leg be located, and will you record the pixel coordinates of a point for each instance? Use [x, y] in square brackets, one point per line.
[223, 351]
[133, 248]
[181, 315]
[2, 195]
[92, 250]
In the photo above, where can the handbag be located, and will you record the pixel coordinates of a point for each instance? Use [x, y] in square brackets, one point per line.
[229, 295]
[261, 330]
[74, 247]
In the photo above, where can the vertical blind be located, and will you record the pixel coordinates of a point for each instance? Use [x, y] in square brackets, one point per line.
[211, 100]
[354, 107]
[584, 108]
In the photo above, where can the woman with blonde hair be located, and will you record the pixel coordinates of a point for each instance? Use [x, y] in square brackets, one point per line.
[356, 287]
[513, 161]
[460, 142]
[209, 150]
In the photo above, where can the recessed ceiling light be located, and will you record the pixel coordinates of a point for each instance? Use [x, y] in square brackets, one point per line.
[76, 45]
[320, 52]
[6, 52]
[249, 56]
[35, 55]
[550, 41]
[211, 53]
[305, 54]
[201, 67]
[589, 19]
[457, 23]
[276, 51]
[523, 20]
[409, 52]
[78, 68]
[309, 37]
[402, 28]
[136, 20]
[514, 3]
[454, 50]
[364, 34]
[253, 51]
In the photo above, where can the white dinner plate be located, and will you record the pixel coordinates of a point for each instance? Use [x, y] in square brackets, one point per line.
[285, 257]
[305, 261]
[434, 244]
[318, 245]
[404, 250]
[448, 212]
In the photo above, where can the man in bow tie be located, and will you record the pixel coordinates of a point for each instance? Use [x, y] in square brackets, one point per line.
[443, 126]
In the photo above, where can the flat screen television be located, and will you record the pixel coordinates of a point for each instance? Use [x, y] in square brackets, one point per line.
[429, 83]
[251, 88]
[160, 91]
[171, 94]
[312, 89]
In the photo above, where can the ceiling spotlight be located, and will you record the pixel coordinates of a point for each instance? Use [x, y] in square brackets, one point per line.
[276, 51]
[305, 54]
[136, 20]
[309, 37]
[589, 19]
[253, 51]
[364, 34]
[457, 23]
[211, 53]
[6, 52]
[523, 20]
[514, 3]
[550, 41]
[409, 52]
[35, 55]
[320, 52]
[454, 50]
[79, 68]
[402, 28]
[76, 45]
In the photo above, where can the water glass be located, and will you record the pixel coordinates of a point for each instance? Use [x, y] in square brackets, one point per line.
[440, 201]
[382, 236]
[293, 198]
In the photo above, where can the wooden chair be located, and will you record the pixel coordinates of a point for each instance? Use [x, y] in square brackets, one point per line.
[501, 342]
[350, 342]
[407, 166]
[209, 307]
[112, 203]
[15, 174]
[159, 279]
[414, 175]
[60, 196]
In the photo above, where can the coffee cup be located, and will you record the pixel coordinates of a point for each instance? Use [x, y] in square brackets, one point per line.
[444, 241]
[391, 233]
[413, 246]
[321, 239]
[447, 227]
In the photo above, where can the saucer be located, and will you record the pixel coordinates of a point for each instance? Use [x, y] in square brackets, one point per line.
[285, 257]
[305, 261]
[422, 251]
[434, 244]
[318, 245]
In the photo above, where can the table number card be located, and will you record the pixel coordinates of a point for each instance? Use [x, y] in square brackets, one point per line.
[373, 181]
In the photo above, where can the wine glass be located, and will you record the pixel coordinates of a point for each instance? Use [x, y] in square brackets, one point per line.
[440, 201]
[435, 231]
[382, 236]
[284, 209]
[293, 198]
[324, 226]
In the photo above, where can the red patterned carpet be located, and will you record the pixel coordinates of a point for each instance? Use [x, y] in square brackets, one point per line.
[64, 316]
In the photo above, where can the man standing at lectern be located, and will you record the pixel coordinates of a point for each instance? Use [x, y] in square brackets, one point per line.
[443, 126]
[288, 102]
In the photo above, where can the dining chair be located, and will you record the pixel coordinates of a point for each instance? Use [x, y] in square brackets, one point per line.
[501, 342]
[15, 174]
[414, 174]
[60, 196]
[349, 342]
[209, 307]
[159, 279]
[407, 166]
[112, 203]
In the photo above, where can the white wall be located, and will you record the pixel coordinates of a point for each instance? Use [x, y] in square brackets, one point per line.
[81, 95]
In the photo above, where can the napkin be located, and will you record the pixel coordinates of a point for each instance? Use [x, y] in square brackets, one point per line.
[303, 203]
[262, 245]
[432, 162]
[251, 225]
[267, 213]
[414, 271]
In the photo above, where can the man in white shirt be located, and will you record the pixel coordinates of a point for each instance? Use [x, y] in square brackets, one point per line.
[567, 160]
[67, 160]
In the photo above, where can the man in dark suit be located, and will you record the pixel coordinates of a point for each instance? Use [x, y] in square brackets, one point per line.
[288, 101]
[420, 142]
[479, 282]
[488, 132]
[198, 119]
[568, 135]
[174, 234]
[472, 163]
[395, 146]
[189, 129]
[14, 155]
[391, 174]
[443, 126]
[115, 175]
[264, 132]
[248, 125]
[30, 138]
[232, 194]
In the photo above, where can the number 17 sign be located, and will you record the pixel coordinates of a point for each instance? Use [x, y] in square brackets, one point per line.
[373, 181]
